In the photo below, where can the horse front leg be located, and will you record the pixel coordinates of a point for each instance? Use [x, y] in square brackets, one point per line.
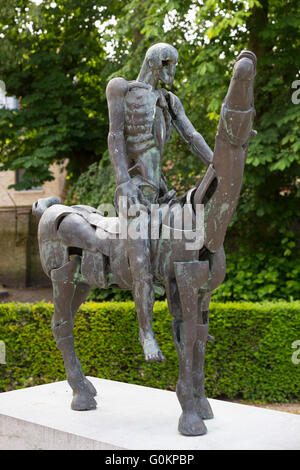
[65, 302]
[202, 404]
[217, 266]
[190, 276]
[190, 422]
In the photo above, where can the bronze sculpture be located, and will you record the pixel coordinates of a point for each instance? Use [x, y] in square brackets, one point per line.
[80, 248]
[141, 117]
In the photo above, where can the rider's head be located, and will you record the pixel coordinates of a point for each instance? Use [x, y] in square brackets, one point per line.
[161, 59]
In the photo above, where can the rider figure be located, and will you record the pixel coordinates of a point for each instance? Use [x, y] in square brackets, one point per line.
[141, 118]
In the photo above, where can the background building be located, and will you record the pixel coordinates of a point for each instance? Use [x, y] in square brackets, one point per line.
[19, 254]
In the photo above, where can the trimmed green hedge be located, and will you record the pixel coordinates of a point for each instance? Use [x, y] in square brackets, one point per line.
[251, 357]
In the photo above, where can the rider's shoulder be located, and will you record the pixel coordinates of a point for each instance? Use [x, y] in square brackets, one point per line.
[174, 102]
[133, 84]
[117, 87]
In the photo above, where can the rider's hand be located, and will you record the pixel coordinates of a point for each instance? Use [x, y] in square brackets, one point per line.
[133, 194]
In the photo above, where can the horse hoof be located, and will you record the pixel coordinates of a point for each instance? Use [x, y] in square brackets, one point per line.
[191, 425]
[203, 408]
[83, 401]
[90, 387]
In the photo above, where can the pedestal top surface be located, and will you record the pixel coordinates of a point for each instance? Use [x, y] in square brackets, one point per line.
[134, 417]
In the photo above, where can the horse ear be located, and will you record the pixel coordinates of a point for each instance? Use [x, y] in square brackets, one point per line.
[150, 63]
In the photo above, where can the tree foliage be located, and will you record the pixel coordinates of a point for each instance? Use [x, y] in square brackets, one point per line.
[52, 58]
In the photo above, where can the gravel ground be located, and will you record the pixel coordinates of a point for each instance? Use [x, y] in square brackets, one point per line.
[30, 294]
[286, 407]
[38, 294]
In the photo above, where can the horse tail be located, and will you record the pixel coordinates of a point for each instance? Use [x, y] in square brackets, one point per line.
[39, 207]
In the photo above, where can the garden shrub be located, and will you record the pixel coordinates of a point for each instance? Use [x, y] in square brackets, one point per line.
[258, 275]
[251, 357]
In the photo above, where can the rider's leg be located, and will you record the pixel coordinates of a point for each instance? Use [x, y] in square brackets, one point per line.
[143, 292]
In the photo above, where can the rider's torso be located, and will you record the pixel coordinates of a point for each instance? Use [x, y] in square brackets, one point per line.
[147, 128]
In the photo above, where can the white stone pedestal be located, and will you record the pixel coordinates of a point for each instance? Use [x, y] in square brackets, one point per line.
[134, 417]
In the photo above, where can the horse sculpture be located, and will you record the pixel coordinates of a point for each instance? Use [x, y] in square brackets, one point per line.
[189, 276]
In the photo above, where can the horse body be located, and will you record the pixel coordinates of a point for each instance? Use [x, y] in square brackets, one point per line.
[77, 253]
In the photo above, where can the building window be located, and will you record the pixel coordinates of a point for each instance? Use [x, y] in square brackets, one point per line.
[19, 175]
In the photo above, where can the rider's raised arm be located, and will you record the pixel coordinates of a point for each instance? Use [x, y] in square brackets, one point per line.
[115, 93]
[186, 130]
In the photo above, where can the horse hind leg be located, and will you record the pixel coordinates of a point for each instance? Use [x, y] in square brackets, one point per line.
[67, 297]
[80, 294]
